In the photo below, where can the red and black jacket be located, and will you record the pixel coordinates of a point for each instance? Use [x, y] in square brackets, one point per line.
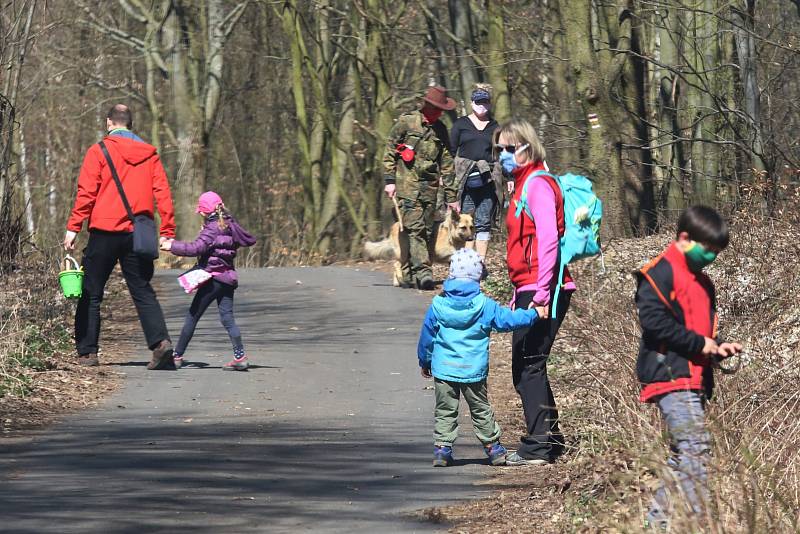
[677, 310]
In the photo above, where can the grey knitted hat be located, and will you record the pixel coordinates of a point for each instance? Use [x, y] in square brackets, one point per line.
[466, 264]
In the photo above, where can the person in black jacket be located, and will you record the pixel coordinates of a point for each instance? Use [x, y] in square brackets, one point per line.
[679, 348]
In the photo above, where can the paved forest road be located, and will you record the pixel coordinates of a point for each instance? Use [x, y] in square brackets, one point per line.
[329, 431]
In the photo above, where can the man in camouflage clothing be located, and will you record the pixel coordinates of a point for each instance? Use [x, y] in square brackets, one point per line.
[417, 156]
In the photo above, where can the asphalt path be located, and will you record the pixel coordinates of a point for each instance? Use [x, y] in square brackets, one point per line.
[329, 431]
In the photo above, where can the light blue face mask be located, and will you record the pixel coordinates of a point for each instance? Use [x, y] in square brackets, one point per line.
[508, 161]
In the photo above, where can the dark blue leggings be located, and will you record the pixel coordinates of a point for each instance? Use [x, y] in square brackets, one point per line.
[208, 293]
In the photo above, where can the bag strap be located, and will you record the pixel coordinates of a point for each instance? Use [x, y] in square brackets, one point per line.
[115, 176]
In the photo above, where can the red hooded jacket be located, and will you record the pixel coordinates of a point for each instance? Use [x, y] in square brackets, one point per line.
[143, 179]
[677, 311]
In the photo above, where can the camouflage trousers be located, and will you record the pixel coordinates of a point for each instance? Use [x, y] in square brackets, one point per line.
[418, 224]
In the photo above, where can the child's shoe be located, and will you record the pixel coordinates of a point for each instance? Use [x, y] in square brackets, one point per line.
[236, 364]
[496, 453]
[442, 456]
[178, 361]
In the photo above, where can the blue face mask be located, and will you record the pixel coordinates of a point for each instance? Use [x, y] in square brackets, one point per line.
[508, 161]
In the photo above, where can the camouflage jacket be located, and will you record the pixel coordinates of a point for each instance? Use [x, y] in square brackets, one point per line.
[432, 158]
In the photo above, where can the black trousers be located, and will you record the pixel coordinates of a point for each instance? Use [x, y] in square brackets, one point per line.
[529, 353]
[100, 257]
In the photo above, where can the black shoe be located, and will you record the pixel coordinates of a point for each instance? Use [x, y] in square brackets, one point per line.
[426, 284]
[162, 356]
[88, 360]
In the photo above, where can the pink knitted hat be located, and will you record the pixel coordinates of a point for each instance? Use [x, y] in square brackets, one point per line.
[208, 202]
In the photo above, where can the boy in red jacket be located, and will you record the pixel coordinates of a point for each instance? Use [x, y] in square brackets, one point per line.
[679, 348]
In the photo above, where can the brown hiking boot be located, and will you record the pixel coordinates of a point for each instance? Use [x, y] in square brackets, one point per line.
[88, 360]
[162, 356]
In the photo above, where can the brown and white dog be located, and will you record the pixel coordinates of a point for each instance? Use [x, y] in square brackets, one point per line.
[447, 236]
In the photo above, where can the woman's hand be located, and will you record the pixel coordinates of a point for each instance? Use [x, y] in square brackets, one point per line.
[542, 311]
[166, 244]
[510, 187]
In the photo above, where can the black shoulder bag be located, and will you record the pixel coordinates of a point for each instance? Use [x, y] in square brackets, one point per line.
[145, 237]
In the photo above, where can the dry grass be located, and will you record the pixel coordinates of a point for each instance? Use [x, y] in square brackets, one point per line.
[616, 451]
[39, 378]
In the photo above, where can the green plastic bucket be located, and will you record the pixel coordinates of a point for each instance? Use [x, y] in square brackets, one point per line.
[71, 279]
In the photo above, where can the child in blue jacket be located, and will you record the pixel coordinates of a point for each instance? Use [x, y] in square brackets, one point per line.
[454, 349]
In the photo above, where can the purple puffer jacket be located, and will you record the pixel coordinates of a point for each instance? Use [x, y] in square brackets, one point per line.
[216, 247]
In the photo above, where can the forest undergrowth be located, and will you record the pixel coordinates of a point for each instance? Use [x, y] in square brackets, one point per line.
[616, 451]
[39, 377]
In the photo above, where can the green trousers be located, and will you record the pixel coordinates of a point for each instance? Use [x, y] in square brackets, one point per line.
[418, 216]
[448, 395]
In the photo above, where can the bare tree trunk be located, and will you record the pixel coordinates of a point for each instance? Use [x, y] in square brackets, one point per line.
[462, 28]
[496, 67]
[603, 146]
[339, 164]
[745, 33]
[27, 197]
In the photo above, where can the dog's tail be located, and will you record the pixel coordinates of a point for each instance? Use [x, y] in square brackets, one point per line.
[379, 250]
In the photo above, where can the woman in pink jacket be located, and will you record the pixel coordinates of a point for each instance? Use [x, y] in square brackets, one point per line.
[532, 256]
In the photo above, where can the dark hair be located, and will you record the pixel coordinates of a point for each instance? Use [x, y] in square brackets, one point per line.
[705, 225]
[121, 114]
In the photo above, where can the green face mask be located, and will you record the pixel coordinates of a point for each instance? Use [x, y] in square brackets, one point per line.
[698, 257]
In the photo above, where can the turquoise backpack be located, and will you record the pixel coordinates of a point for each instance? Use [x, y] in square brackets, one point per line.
[583, 212]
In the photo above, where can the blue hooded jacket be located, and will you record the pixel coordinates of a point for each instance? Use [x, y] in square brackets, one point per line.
[454, 341]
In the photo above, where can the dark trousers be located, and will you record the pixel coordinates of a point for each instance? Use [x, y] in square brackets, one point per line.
[207, 293]
[100, 257]
[529, 353]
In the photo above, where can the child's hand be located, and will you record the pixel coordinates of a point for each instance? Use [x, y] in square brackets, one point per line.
[425, 372]
[710, 348]
[542, 311]
[166, 244]
[726, 350]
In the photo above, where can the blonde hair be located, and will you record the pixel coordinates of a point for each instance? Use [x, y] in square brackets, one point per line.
[520, 132]
[221, 216]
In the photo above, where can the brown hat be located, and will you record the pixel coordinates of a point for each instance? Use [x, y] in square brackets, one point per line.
[436, 95]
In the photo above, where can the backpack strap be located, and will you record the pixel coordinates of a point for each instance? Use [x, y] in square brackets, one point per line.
[522, 203]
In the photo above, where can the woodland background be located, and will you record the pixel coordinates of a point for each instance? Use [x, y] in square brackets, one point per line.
[283, 106]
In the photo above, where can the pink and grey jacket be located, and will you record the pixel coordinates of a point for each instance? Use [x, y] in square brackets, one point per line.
[216, 248]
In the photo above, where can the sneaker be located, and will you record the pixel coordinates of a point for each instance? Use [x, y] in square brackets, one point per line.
[514, 459]
[657, 525]
[442, 456]
[496, 453]
[178, 361]
[88, 360]
[236, 365]
[162, 356]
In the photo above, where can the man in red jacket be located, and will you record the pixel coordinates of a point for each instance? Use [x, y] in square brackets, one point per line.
[110, 234]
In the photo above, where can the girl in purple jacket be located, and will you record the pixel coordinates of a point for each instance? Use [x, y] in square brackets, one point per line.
[215, 248]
